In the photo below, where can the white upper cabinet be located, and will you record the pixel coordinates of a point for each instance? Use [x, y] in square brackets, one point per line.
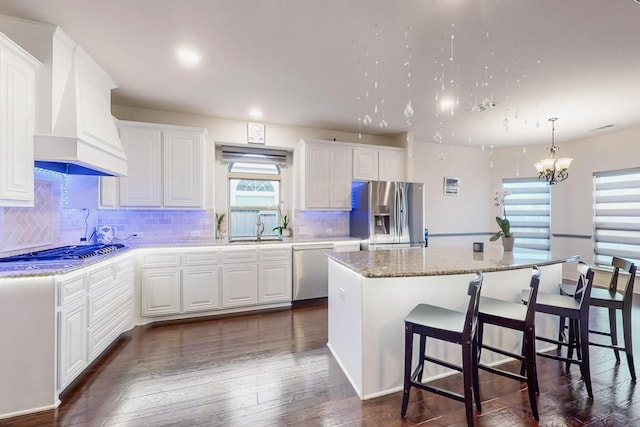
[378, 164]
[167, 168]
[17, 121]
[143, 186]
[324, 181]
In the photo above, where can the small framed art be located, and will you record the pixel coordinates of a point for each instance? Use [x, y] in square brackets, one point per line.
[451, 186]
[255, 133]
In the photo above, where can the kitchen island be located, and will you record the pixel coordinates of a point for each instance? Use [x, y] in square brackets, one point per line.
[370, 293]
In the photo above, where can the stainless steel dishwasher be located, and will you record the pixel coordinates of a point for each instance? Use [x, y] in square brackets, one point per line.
[310, 271]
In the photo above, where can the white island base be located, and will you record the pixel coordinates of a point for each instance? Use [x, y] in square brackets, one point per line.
[366, 321]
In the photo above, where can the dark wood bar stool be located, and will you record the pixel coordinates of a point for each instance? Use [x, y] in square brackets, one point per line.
[613, 300]
[576, 309]
[515, 316]
[430, 321]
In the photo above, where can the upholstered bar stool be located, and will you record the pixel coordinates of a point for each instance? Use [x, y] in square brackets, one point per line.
[430, 321]
[614, 300]
[576, 309]
[515, 316]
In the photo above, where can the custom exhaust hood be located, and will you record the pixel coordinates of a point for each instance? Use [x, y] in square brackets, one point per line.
[75, 131]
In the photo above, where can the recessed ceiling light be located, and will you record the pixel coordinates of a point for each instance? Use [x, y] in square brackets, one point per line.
[188, 57]
[446, 103]
[255, 113]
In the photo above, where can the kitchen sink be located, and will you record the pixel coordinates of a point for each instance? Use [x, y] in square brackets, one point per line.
[254, 240]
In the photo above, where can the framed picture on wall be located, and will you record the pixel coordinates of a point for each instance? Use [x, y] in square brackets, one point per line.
[255, 133]
[451, 186]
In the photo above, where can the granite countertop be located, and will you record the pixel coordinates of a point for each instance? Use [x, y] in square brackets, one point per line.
[50, 268]
[444, 260]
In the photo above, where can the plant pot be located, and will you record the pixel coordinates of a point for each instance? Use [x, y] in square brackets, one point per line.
[286, 232]
[507, 243]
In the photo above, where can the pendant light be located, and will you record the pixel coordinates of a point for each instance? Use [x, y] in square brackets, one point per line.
[553, 170]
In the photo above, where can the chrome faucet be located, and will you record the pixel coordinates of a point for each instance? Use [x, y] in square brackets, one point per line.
[259, 228]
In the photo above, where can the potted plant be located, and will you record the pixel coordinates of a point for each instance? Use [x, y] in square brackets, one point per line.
[283, 229]
[219, 230]
[503, 223]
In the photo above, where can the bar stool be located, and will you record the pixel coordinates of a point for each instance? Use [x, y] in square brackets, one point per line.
[576, 309]
[452, 326]
[513, 315]
[613, 300]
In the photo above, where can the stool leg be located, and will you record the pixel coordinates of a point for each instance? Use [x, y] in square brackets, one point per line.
[571, 342]
[475, 357]
[584, 344]
[613, 328]
[408, 355]
[532, 375]
[628, 340]
[423, 349]
[467, 376]
[561, 336]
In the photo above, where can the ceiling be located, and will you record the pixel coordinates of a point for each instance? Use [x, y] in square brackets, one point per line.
[328, 63]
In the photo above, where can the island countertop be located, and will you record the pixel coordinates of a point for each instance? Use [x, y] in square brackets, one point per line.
[437, 261]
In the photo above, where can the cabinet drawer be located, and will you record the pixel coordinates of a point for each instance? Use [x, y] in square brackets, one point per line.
[101, 336]
[100, 277]
[201, 258]
[70, 289]
[102, 306]
[123, 266]
[161, 259]
[275, 254]
[229, 257]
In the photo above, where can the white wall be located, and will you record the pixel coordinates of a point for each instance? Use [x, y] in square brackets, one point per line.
[463, 214]
[572, 200]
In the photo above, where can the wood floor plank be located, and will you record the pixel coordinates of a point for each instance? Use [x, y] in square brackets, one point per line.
[274, 369]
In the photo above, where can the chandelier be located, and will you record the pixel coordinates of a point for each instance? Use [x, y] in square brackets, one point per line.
[553, 170]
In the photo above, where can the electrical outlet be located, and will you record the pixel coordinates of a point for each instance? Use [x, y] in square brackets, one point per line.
[138, 234]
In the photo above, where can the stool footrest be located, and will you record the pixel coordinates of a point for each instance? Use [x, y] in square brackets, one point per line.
[438, 390]
[560, 358]
[443, 363]
[503, 352]
[615, 347]
[504, 373]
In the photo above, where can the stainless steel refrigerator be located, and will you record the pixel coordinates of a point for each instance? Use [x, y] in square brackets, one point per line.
[387, 214]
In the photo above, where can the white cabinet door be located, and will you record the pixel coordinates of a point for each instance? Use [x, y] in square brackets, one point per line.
[200, 289]
[72, 341]
[326, 175]
[17, 121]
[160, 291]
[239, 285]
[274, 282]
[340, 173]
[317, 179]
[183, 169]
[143, 186]
[365, 164]
[391, 165]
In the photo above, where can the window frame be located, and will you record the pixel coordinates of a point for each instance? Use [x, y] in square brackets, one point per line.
[616, 230]
[268, 210]
[524, 223]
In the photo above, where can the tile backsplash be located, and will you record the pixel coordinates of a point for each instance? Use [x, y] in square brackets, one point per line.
[49, 224]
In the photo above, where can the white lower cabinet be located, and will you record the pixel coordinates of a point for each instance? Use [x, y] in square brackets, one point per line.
[200, 289]
[239, 285]
[161, 295]
[72, 341]
[274, 275]
[94, 307]
[176, 282]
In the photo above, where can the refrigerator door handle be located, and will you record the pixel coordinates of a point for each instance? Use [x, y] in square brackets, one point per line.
[397, 218]
[403, 210]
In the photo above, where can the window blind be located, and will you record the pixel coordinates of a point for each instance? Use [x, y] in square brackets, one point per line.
[528, 209]
[617, 215]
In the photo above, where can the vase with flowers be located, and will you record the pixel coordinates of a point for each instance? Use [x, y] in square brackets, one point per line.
[503, 222]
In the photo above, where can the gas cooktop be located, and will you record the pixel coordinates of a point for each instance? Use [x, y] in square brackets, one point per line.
[70, 252]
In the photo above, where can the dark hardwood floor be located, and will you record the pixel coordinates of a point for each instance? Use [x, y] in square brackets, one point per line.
[274, 369]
